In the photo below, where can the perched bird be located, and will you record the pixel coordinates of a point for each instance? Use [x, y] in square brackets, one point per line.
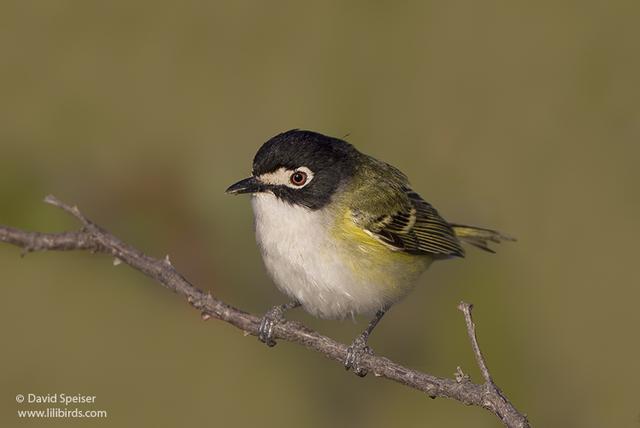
[342, 233]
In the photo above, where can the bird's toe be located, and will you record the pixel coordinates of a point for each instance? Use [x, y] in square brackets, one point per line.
[267, 325]
[355, 352]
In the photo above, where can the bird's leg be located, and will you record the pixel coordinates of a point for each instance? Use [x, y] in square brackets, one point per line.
[359, 346]
[272, 318]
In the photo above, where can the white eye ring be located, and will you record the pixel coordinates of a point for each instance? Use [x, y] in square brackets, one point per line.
[283, 176]
[299, 177]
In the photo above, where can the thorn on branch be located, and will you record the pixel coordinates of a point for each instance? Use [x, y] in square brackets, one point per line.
[460, 375]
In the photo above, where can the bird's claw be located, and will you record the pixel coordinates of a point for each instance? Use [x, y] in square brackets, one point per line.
[272, 318]
[354, 354]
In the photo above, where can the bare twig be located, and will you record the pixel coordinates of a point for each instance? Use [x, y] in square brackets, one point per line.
[489, 384]
[466, 309]
[95, 239]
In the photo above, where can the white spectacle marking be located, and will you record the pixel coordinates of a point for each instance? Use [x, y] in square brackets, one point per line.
[282, 176]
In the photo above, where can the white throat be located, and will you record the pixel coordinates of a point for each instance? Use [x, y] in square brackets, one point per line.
[300, 256]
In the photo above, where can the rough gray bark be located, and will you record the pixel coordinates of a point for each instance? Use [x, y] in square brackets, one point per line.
[96, 239]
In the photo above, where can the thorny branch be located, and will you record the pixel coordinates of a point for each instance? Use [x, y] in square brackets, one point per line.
[96, 239]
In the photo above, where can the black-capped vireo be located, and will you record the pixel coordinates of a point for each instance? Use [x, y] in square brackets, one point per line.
[342, 233]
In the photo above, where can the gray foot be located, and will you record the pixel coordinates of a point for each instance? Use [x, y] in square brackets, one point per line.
[272, 318]
[355, 352]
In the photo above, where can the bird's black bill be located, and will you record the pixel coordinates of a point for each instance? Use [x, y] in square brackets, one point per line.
[248, 185]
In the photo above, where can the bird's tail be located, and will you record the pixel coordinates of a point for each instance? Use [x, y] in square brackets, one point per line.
[479, 236]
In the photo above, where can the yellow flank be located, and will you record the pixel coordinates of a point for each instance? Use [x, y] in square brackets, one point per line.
[391, 271]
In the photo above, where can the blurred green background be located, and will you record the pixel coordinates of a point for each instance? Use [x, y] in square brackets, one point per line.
[523, 116]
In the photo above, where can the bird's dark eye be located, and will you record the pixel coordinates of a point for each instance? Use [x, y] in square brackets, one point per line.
[298, 178]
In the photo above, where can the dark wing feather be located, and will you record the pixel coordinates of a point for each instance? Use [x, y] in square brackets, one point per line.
[416, 228]
[382, 203]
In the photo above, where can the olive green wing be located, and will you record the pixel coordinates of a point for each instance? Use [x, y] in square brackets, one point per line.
[412, 226]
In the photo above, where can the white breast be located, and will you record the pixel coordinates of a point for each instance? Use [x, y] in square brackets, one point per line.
[307, 264]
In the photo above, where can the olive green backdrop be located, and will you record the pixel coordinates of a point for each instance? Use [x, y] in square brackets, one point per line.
[523, 116]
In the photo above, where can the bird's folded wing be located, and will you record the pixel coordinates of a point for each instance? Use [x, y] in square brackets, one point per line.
[413, 226]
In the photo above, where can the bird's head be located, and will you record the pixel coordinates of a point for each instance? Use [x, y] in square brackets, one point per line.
[300, 167]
